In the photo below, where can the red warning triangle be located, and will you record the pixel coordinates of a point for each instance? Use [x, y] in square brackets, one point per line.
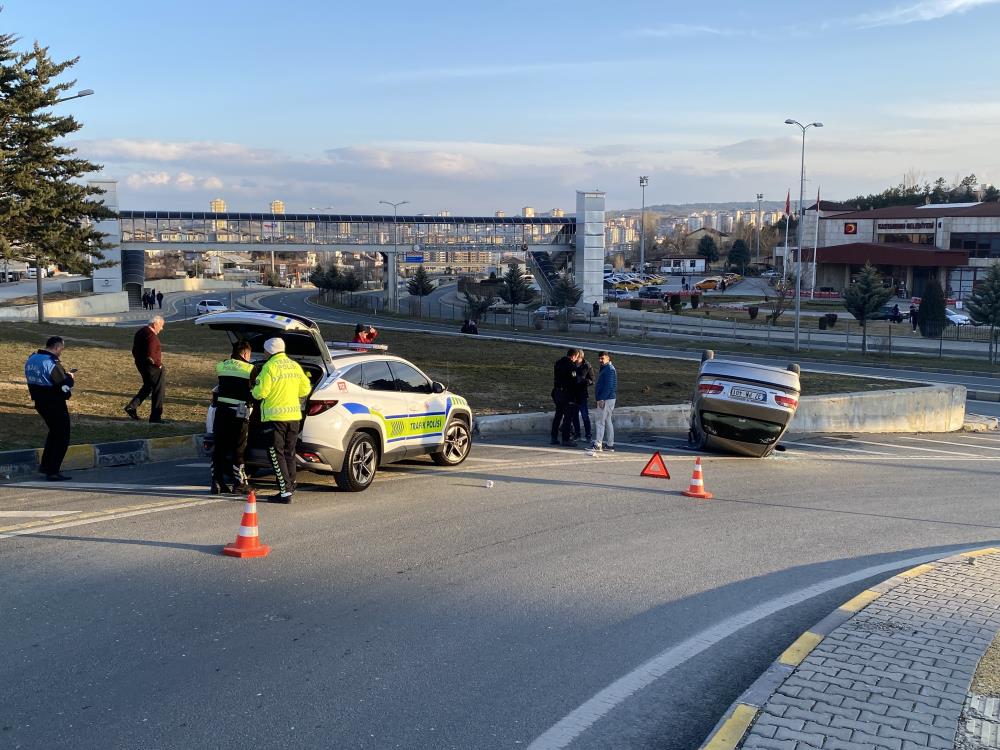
[656, 468]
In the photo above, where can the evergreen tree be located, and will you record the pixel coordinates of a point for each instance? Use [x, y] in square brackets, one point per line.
[476, 305]
[564, 292]
[708, 250]
[516, 289]
[931, 317]
[420, 286]
[739, 255]
[349, 282]
[864, 298]
[984, 305]
[45, 212]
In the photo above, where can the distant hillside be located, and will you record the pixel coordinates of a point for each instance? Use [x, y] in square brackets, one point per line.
[683, 209]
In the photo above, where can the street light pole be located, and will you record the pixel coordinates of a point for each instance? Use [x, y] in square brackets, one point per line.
[393, 291]
[798, 252]
[760, 197]
[643, 181]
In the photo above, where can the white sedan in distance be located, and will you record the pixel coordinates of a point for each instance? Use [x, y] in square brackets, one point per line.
[211, 306]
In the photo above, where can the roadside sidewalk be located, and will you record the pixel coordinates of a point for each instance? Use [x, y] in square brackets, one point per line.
[890, 669]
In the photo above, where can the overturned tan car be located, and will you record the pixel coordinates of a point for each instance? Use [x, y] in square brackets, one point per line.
[742, 407]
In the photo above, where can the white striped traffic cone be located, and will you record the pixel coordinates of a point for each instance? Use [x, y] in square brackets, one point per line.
[247, 542]
[697, 486]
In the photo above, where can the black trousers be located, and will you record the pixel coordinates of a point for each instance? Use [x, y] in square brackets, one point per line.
[154, 383]
[282, 453]
[562, 421]
[230, 433]
[56, 417]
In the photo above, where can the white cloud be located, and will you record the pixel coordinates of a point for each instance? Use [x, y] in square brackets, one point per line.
[147, 179]
[926, 10]
[124, 149]
[681, 30]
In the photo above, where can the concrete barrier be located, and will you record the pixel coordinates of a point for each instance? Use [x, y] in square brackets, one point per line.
[936, 408]
[97, 304]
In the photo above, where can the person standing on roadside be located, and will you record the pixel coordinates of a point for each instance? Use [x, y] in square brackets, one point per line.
[596, 308]
[584, 379]
[606, 394]
[148, 358]
[50, 387]
[280, 387]
[564, 396]
[159, 299]
[913, 317]
[232, 420]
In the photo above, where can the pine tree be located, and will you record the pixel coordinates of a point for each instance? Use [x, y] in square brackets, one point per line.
[739, 256]
[864, 298]
[516, 289]
[930, 314]
[45, 212]
[420, 286]
[708, 250]
[984, 305]
[564, 292]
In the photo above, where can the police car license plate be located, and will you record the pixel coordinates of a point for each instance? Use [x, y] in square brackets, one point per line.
[747, 394]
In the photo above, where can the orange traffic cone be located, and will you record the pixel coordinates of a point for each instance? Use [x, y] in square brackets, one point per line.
[697, 486]
[247, 543]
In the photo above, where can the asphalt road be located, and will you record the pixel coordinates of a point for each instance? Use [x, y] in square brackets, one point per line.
[433, 612]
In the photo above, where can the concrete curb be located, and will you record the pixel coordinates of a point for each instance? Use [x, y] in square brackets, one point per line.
[984, 395]
[936, 408]
[739, 717]
[18, 463]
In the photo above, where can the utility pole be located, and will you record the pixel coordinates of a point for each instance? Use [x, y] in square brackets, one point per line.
[760, 197]
[643, 181]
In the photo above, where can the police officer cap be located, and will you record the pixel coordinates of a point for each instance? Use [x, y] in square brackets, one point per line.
[275, 345]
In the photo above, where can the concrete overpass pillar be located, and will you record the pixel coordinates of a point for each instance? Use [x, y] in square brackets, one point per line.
[588, 260]
[391, 274]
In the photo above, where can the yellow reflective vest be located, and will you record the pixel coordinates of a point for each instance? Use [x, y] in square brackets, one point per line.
[234, 381]
[280, 386]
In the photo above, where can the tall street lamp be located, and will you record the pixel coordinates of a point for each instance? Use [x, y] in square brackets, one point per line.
[77, 95]
[643, 181]
[798, 261]
[760, 197]
[393, 291]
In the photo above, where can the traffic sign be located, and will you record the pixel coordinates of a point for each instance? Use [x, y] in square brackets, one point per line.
[414, 258]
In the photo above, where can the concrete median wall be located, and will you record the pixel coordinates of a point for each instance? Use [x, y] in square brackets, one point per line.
[97, 304]
[937, 408]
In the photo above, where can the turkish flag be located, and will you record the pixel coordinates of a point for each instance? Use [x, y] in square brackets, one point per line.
[788, 202]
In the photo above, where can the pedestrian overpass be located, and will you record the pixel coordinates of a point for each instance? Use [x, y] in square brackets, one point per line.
[550, 245]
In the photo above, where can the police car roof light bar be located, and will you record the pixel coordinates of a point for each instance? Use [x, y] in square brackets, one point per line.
[357, 346]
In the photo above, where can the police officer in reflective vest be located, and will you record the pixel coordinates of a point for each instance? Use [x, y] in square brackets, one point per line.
[50, 387]
[280, 387]
[232, 420]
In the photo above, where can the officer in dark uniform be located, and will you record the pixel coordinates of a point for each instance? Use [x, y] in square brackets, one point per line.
[232, 420]
[50, 387]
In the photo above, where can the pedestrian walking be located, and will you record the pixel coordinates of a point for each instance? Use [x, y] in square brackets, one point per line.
[606, 395]
[50, 387]
[145, 300]
[684, 281]
[232, 421]
[913, 317]
[584, 379]
[159, 299]
[564, 395]
[722, 286]
[597, 308]
[148, 357]
[897, 316]
[280, 387]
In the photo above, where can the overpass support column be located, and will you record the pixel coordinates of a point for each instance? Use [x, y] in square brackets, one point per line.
[588, 260]
[391, 278]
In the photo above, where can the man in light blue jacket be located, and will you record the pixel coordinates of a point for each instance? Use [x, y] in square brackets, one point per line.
[606, 393]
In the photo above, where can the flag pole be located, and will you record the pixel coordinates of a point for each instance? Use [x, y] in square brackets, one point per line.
[812, 285]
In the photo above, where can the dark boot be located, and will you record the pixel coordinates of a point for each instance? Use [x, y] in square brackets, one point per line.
[219, 487]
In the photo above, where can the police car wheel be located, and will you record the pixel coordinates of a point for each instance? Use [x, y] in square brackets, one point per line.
[457, 444]
[360, 463]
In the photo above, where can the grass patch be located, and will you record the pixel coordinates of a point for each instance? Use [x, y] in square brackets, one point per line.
[496, 377]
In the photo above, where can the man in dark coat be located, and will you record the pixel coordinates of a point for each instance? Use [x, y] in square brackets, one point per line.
[149, 362]
[564, 389]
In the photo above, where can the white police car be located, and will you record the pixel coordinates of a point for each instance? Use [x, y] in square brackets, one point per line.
[367, 408]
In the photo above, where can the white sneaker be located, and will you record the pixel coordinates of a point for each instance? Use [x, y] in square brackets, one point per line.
[594, 447]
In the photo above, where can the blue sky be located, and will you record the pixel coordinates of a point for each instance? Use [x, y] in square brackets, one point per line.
[478, 107]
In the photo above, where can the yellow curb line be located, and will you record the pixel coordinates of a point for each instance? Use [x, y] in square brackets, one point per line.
[734, 728]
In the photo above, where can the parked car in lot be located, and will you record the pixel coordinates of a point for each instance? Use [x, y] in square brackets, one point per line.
[891, 313]
[742, 407]
[770, 275]
[365, 410]
[618, 294]
[210, 306]
[651, 292]
[956, 318]
[551, 312]
[712, 282]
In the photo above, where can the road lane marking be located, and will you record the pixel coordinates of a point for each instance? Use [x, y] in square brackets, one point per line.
[907, 447]
[99, 486]
[82, 519]
[571, 726]
[836, 448]
[205, 465]
[950, 442]
[35, 513]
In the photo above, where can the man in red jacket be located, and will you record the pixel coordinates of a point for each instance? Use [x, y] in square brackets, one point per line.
[149, 362]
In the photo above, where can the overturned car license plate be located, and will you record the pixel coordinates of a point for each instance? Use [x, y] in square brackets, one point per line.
[748, 394]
